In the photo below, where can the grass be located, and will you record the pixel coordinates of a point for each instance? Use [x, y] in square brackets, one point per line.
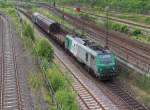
[142, 81]
[135, 18]
[141, 38]
[39, 90]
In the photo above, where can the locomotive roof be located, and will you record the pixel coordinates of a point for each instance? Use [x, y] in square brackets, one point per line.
[92, 45]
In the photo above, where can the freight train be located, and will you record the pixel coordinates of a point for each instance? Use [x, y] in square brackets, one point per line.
[101, 61]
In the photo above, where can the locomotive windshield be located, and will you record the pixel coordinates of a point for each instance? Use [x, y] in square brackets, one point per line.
[105, 58]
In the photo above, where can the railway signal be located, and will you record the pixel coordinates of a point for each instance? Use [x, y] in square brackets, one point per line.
[77, 9]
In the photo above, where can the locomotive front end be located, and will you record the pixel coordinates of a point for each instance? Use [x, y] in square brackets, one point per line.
[106, 65]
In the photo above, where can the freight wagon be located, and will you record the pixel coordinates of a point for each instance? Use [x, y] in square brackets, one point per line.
[46, 24]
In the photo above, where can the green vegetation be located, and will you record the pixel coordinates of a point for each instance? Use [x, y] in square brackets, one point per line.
[68, 103]
[133, 17]
[36, 83]
[44, 50]
[117, 27]
[28, 32]
[136, 79]
[123, 28]
[4, 4]
[143, 82]
[140, 6]
[57, 80]
[136, 32]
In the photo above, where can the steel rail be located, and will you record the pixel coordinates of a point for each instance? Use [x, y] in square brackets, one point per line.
[9, 63]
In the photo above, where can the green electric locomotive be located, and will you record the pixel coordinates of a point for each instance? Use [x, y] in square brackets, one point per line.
[100, 60]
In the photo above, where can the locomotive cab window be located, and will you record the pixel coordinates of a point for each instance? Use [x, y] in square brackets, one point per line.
[68, 42]
[86, 55]
[105, 58]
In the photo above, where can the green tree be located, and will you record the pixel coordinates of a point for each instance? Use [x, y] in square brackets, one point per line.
[44, 50]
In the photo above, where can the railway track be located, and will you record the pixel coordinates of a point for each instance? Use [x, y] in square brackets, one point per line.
[135, 53]
[131, 103]
[113, 19]
[119, 20]
[87, 100]
[10, 95]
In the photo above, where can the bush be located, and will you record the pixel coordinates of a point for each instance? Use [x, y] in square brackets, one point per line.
[124, 29]
[136, 32]
[44, 50]
[116, 27]
[28, 32]
[64, 95]
[67, 100]
[57, 80]
[12, 12]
